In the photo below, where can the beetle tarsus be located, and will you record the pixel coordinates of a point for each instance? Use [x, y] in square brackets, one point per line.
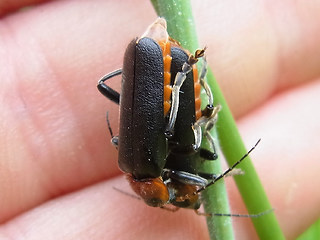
[208, 155]
[115, 141]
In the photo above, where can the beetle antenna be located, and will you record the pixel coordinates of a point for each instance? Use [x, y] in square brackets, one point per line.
[234, 215]
[109, 125]
[127, 194]
[229, 169]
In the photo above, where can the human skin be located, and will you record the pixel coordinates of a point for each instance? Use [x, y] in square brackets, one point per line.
[57, 167]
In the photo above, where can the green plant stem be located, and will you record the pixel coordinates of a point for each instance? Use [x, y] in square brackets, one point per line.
[181, 27]
[313, 232]
[249, 185]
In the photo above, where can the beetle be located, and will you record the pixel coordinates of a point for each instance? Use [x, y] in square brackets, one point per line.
[155, 66]
[160, 122]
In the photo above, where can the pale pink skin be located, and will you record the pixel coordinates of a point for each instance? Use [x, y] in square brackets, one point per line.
[57, 167]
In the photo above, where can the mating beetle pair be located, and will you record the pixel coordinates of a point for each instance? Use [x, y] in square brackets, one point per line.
[160, 120]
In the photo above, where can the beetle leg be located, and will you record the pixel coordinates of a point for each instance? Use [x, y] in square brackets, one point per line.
[178, 81]
[204, 83]
[108, 92]
[209, 125]
[210, 139]
[235, 172]
[208, 111]
[207, 154]
[198, 131]
[202, 213]
[208, 176]
[208, 122]
[185, 177]
[114, 139]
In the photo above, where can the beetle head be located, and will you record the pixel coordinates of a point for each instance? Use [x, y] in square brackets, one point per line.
[152, 190]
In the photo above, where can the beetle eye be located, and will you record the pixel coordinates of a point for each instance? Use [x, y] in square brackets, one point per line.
[154, 202]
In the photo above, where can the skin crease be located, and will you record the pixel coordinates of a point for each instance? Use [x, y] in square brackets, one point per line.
[57, 168]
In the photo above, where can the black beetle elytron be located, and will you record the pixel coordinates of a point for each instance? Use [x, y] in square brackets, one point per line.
[161, 119]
